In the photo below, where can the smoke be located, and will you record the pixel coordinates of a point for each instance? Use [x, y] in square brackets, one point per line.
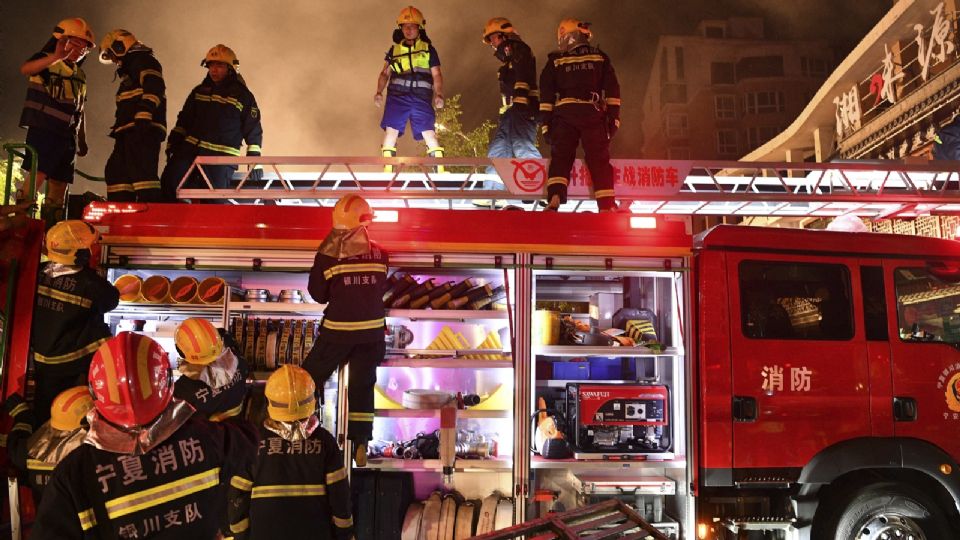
[313, 65]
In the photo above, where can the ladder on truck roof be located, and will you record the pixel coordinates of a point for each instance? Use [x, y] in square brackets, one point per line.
[874, 189]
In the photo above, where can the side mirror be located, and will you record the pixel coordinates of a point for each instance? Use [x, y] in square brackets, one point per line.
[944, 272]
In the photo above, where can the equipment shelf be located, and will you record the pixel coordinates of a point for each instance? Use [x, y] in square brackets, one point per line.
[433, 465]
[166, 310]
[453, 363]
[462, 315]
[435, 413]
[584, 350]
[538, 462]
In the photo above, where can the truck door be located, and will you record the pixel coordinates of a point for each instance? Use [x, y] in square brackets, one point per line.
[799, 363]
[924, 337]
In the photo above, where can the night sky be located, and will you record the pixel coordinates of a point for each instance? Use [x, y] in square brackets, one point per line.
[313, 65]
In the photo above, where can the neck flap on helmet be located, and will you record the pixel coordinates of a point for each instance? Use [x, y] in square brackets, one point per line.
[343, 243]
[139, 440]
[298, 430]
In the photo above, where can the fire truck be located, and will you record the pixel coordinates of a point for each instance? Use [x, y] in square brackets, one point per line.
[744, 382]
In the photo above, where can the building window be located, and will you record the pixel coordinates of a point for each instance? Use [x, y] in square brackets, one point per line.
[727, 142]
[926, 305]
[679, 152]
[678, 54]
[673, 93]
[663, 65]
[813, 67]
[758, 135]
[725, 106]
[780, 300]
[676, 125]
[763, 102]
[722, 73]
[760, 66]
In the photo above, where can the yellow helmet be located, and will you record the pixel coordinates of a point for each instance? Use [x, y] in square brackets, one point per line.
[198, 341]
[77, 28]
[116, 44]
[351, 212]
[70, 407]
[411, 14]
[221, 53]
[570, 25]
[66, 239]
[290, 394]
[497, 24]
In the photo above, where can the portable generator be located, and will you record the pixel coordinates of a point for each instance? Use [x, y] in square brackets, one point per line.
[619, 420]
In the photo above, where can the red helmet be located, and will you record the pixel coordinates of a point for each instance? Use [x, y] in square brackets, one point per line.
[131, 380]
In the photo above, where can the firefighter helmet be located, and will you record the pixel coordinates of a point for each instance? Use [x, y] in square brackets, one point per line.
[77, 28]
[497, 24]
[411, 15]
[568, 26]
[290, 394]
[68, 242]
[116, 44]
[221, 53]
[131, 380]
[198, 341]
[70, 407]
[351, 212]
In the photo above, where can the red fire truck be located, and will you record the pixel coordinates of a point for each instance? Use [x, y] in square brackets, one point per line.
[800, 384]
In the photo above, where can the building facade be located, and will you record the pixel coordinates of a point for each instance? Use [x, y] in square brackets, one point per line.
[727, 89]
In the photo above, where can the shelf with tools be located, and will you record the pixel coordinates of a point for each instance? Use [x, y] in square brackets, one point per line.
[435, 413]
[139, 309]
[636, 464]
[433, 465]
[586, 350]
[446, 363]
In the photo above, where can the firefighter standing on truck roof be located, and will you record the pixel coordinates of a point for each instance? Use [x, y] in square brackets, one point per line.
[298, 487]
[53, 112]
[38, 452]
[213, 375]
[149, 467]
[349, 274]
[516, 134]
[218, 115]
[68, 314]
[141, 119]
[580, 102]
[412, 68]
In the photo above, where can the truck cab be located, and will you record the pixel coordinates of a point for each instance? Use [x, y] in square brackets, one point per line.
[829, 384]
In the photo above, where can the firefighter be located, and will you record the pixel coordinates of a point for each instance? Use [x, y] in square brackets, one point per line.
[141, 119]
[298, 487]
[149, 467]
[213, 374]
[516, 134]
[412, 69]
[38, 452]
[218, 115]
[53, 112]
[580, 103]
[349, 274]
[71, 301]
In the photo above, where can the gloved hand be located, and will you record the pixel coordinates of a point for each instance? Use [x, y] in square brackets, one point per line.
[168, 151]
[522, 109]
[545, 131]
[613, 124]
[256, 175]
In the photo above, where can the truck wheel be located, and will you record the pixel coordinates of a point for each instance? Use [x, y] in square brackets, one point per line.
[886, 511]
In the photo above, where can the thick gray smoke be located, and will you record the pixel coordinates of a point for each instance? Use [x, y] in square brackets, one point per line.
[313, 64]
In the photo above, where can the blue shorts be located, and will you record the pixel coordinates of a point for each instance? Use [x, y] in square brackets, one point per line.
[400, 108]
[56, 154]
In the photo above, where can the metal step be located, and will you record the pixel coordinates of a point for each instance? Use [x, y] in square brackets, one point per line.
[762, 523]
[764, 482]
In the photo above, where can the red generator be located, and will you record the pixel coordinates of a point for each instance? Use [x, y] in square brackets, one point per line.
[619, 420]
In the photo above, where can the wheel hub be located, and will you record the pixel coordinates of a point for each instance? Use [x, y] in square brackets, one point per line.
[888, 526]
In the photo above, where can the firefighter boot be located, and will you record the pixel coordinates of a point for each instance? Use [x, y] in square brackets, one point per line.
[359, 452]
[52, 213]
[388, 152]
[553, 205]
[437, 153]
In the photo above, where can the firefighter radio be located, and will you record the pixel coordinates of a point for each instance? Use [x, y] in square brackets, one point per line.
[619, 420]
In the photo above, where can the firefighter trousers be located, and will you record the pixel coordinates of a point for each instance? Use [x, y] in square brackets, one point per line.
[179, 164]
[323, 361]
[131, 170]
[49, 385]
[566, 132]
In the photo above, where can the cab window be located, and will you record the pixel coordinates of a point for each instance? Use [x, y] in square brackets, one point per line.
[928, 308]
[783, 300]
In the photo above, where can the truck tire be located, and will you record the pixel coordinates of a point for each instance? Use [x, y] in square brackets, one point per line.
[885, 510]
